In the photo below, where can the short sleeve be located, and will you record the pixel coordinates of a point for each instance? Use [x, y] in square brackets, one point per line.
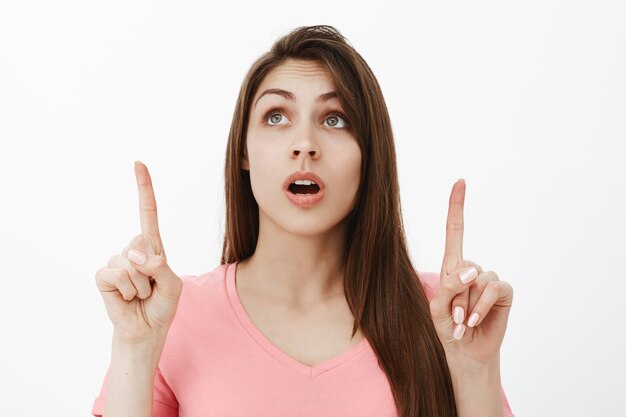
[164, 401]
[505, 403]
[430, 283]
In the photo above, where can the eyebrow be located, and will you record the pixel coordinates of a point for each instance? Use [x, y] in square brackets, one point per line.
[289, 95]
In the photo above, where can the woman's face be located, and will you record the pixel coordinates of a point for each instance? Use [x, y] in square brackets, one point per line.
[301, 128]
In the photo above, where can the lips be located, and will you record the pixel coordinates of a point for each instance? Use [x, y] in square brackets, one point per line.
[303, 175]
[305, 201]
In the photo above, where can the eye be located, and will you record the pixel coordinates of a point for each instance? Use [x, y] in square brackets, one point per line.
[275, 116]
[336, 119]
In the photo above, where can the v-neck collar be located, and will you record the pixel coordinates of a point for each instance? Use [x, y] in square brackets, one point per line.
[310, 371]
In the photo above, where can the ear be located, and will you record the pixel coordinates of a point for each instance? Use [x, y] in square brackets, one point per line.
[244, 161]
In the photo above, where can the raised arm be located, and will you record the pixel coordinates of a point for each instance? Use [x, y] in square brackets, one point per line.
[141, 295]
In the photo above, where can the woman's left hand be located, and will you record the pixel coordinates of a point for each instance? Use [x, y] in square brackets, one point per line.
[468, 342]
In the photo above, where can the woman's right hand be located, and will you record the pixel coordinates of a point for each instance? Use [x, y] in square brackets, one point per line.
[141, 299]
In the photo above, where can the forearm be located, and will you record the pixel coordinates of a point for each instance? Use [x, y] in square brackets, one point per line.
[131, 378]
[477, 390]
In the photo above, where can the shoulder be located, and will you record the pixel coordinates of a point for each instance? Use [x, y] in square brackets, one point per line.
[203, 308]
[208, 282]
[215, 274]
[204, 291]
[430, 282]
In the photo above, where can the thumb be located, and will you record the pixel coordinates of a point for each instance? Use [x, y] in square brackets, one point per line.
[156, 267]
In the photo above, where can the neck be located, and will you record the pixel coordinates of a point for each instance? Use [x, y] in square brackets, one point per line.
[296, 269]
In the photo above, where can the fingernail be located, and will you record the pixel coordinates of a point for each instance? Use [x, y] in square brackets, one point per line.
[466, 275]
[473, 320]
[459, 314]
[136, 256]
[459, 331]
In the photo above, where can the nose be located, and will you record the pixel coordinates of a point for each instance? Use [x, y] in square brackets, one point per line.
[305, 144]
[297, 152]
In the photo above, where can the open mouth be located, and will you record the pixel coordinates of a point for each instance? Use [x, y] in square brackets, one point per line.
[304, 189]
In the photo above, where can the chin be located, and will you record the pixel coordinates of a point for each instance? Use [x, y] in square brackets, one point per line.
[308, 231]
[303, 224]
[306, 228]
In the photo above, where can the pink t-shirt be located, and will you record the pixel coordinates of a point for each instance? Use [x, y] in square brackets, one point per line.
[215, 362]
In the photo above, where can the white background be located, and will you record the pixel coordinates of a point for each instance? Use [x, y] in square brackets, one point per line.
[525, 100]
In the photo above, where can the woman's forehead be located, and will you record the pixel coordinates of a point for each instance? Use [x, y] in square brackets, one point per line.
[298, 72]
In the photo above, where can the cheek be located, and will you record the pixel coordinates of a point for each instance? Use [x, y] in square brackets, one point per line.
[347, 169]
[262, 166]
[259, 152]
[352, 164]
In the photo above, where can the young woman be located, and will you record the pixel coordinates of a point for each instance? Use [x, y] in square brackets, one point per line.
[315, 309]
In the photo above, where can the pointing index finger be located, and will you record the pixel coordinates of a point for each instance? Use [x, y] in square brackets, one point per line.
[147, 202]
[454, 227]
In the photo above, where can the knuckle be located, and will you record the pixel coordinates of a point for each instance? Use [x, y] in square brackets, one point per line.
[140, 281]
[454, 225]
[506, 287]
[159, 262]
[494, 275]
[493, 287]
[449, 285]
[468, 263]
[120, 276]
[130, 295]
[459, 300]
[99, 275]
[144, 294]
[147, 293]
[148, 205]
[137, 241]
[132, 290]
[133, 274]
[113, 260]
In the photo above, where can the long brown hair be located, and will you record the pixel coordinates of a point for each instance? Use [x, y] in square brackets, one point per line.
[381, 286]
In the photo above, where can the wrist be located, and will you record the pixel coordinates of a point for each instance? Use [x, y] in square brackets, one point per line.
[463, 368]
[131, 377]
[146, 352]
[477, 388]
[129, 339]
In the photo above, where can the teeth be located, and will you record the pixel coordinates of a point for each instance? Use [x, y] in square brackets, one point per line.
[303, 182]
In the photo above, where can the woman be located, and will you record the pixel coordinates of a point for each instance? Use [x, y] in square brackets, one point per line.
[315, 308]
